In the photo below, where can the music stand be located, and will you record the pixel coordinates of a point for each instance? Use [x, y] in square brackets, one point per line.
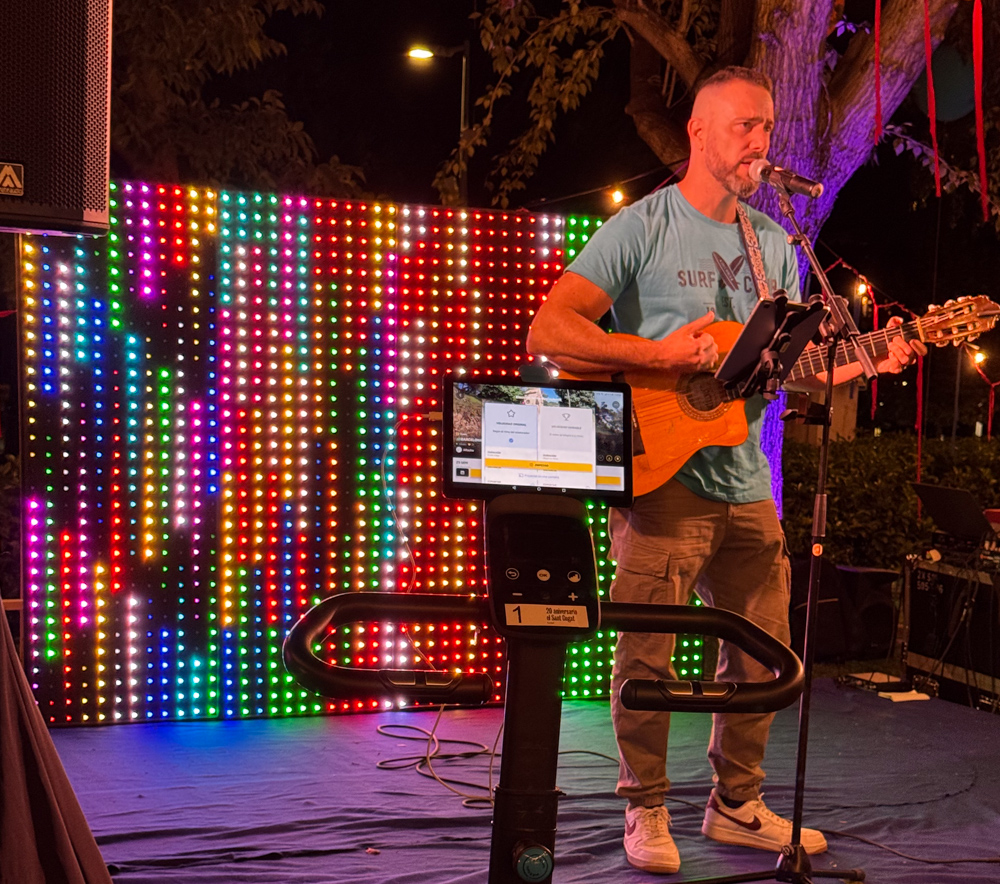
[770, 343]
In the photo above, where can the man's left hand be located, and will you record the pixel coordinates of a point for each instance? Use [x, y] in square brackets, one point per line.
[901, 352]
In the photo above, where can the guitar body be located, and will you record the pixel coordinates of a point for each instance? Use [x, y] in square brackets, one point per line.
[678, 414]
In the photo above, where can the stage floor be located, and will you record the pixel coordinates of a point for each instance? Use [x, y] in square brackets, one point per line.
[301, 801]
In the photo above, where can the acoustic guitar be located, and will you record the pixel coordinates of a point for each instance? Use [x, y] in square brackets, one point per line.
[674, 415]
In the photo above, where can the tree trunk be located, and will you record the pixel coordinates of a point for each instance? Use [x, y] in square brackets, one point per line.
[825, 123]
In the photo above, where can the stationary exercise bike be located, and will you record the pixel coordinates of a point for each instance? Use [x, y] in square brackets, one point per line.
[542, 593]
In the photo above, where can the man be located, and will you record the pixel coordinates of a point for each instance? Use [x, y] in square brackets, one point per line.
[659, 266]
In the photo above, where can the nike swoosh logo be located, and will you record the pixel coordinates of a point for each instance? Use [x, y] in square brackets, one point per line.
[629, 827]
[753, 825]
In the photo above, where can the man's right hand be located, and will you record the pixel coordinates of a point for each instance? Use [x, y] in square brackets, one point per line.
[689, 348]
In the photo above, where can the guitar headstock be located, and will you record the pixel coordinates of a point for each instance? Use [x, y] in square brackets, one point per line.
[963, 319]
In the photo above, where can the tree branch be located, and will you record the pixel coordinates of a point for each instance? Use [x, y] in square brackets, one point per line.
[735, 31]
[670, 45]
[664, 135]
[852, 88]
[791, 49]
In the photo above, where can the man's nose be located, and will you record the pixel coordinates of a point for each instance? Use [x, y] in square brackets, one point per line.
[760, 140]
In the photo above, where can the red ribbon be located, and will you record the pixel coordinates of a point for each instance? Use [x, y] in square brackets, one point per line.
[874, 384]
[993, 388]
[977, 67]
[878, 70]
[931, 104]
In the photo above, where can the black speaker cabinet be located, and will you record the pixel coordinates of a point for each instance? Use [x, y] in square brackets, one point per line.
[873, 628]
[833, 612]
[55, 87]
[952, 629]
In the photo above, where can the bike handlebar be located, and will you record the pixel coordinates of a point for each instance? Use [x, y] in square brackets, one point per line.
[432, 686]
[702, 696]
[342, 682]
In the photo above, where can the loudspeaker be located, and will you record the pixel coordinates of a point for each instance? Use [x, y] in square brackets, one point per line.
[55, 112]
[953, 625]
[869, 591]
[832, 614]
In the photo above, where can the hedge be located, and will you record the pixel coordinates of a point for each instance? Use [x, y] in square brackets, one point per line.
[872, 507]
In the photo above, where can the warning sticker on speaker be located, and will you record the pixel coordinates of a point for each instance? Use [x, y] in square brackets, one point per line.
[11, 179]
[546, 615]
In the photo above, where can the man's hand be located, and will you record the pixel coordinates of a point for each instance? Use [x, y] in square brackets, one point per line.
[901, 353]
[689, 348]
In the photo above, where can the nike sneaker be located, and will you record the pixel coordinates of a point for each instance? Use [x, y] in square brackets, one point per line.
[753, 825]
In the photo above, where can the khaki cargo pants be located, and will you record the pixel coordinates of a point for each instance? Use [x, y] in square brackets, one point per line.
[669, 544]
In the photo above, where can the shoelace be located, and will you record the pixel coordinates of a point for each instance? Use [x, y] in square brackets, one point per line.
[764, 812]
[655, 821]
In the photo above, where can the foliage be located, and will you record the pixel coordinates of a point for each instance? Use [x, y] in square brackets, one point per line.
[166, 55]
[564, 51]
[953, 178]
[958, 160]
[872, 508]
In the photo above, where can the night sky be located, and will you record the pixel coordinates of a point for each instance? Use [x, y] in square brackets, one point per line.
[347, 78]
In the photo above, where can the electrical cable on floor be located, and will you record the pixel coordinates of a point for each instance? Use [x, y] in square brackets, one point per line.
[918, 859]
[423, 764]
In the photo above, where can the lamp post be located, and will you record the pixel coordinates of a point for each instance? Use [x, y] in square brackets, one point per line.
[958, 390]
[426, 53]
[977, 357]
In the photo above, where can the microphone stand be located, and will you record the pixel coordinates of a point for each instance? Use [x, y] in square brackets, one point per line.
[794, 864]
[794, 860]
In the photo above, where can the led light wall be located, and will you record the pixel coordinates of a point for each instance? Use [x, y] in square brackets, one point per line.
[230, 414]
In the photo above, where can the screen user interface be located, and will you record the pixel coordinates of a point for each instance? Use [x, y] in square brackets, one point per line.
[531, 436]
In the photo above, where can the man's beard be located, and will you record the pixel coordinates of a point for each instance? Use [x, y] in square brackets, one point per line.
[728, 176]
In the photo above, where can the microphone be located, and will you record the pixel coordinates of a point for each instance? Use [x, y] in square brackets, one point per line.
[762, 170]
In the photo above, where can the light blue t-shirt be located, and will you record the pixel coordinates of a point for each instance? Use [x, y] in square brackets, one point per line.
[663, 264]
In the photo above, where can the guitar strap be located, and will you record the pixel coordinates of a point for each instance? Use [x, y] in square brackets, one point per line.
[752, 249]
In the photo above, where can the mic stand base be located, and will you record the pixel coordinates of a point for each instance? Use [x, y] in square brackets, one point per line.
[793, 866]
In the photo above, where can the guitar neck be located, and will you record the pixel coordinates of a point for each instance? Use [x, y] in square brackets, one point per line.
[876, 343]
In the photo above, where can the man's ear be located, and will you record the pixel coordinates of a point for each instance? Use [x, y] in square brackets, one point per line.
[696, 132]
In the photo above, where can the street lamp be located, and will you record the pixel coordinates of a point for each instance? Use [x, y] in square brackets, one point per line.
[426, 53]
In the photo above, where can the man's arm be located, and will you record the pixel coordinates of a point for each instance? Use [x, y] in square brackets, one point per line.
[564, 331]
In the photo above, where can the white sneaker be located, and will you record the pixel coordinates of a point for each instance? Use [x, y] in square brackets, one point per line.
[648, 844]
[753, 825]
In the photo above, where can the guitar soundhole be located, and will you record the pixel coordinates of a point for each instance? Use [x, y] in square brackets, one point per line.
[702, 397]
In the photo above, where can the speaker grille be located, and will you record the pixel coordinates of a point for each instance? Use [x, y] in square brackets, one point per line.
[55, 104]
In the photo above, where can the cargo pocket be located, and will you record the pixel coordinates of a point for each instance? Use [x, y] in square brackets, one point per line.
[641, 574]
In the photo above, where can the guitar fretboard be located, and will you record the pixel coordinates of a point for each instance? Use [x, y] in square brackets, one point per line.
[876, 343]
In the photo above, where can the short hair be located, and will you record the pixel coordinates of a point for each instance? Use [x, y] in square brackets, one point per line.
[735, 72]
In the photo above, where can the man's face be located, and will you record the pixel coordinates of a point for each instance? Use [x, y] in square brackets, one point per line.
[738, 119]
